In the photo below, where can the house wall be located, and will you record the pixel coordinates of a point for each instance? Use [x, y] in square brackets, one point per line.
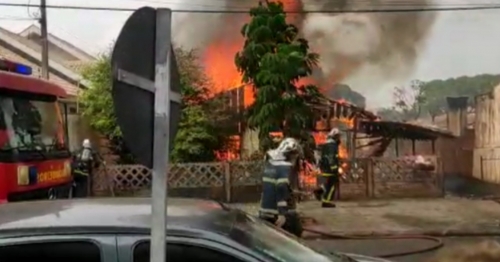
[78, 130]
[487, 143]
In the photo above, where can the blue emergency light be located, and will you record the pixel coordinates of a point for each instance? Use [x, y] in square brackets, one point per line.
[18, 68]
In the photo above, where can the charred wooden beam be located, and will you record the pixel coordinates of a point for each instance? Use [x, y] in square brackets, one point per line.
[371, 143]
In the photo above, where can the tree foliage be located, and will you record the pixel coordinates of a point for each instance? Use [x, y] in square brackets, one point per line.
[429, 98]
[199, 134]
[436, 91]
[273, 60]
[97, 101]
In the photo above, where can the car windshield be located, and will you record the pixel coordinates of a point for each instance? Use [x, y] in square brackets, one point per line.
[28, 125]
[279, 246]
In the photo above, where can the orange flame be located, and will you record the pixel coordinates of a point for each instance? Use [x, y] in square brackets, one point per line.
[218, 57]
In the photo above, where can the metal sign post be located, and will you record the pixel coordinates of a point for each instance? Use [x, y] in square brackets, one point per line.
[146, 97]
[161, 136]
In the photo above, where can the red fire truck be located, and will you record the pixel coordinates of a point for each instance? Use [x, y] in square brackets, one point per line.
[35, 161]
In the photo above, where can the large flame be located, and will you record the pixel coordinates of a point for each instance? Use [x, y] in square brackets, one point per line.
[219, 65]
[218, 57]
[347, 43]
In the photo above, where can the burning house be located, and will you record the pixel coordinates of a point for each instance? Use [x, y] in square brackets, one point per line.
[353, 47]
[362, 48]
[370, 150]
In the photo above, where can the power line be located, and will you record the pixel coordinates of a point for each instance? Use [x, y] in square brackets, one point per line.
[380, 10]
[15, 18]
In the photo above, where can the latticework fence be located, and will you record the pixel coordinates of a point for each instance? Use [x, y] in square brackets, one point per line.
[241, 181]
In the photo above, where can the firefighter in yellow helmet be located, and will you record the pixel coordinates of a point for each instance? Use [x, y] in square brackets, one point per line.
[329, 164]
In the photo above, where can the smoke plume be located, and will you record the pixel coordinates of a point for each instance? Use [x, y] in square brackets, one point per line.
[384, 44]
[352, 46]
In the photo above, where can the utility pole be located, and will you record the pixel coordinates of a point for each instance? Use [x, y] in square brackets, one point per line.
[45, 39]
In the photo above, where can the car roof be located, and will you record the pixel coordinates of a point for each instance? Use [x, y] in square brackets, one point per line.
[125, 213]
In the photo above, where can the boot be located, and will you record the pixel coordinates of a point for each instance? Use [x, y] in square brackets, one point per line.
[328, 205]
[317, 193]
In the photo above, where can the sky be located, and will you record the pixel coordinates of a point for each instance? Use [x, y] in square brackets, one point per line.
[461, 42]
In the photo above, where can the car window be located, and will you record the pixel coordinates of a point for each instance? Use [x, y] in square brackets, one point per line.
[183, 253]
[51, 251]
[268, 241]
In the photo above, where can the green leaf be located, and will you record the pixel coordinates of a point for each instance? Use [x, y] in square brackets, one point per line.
[200, 131]
[273, 59]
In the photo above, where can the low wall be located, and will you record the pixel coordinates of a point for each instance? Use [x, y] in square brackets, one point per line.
[240, 181]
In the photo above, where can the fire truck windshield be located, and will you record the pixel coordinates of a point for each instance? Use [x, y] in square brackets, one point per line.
[30, 125]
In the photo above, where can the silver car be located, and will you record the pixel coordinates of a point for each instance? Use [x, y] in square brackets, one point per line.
[117, 230]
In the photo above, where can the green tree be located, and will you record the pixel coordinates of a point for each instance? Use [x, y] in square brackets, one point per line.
[436, 91]
[96, 100]
[273, 60]
[199, 134]
[201, 131]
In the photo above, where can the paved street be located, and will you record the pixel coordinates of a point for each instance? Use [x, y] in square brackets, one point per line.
[400, 215]
[441, 214]
[380, 247]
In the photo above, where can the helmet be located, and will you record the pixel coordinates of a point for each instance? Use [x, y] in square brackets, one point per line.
[288, 145]
[86, 143]
[335, 131]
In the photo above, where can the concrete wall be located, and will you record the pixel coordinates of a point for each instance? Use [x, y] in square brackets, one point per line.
[79, 129]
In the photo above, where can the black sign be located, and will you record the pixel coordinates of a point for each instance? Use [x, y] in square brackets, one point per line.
[133, 62]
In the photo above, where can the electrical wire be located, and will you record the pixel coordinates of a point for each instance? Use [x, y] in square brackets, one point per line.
[14, 18]
[33, 15]
[245, 11]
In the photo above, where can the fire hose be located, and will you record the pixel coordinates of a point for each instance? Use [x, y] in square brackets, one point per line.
[438, 242]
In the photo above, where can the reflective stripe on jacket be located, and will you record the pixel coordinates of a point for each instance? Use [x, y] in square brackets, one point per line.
[80, 172]
[329, 160]
[275, 189]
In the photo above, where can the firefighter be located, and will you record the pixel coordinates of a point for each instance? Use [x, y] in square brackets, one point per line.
[278, 205]
[83, 164]
[329, 165]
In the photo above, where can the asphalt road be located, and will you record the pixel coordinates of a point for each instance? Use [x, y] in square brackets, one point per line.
[380, 247]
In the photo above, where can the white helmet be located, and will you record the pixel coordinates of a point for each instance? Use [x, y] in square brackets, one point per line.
[335, 131]
[288, 145]
[86, 143]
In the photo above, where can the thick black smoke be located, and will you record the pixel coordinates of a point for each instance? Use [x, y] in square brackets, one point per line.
[376, 46]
